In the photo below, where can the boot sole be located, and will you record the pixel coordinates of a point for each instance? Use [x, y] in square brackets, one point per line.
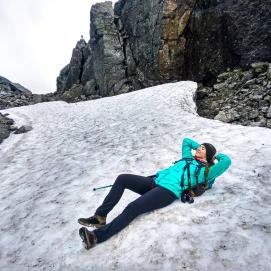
[91, 225]
[84, 237]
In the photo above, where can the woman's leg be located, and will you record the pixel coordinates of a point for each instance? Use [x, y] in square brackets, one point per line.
[136, 183]
[155, 198]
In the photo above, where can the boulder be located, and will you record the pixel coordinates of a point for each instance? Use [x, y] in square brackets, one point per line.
[23, 129]
[245, 100]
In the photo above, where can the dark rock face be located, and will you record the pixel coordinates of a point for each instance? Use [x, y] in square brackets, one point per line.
[144, 43]
[139, 25]
[98, 66]
[106, 55]
[226, 33]
[71, 74]
[239, 96]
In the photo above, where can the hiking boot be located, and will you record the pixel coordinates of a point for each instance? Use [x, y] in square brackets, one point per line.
[88, 238]
[93, 221]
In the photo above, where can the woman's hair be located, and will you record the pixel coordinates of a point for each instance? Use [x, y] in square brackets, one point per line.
[209, 164]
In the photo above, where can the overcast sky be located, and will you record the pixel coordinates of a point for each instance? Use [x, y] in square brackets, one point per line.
[37, 38]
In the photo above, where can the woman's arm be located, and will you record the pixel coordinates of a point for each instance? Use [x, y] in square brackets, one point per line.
[219, 168]
[187, 145]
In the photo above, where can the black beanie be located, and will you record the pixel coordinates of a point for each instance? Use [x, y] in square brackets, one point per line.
[210, 151]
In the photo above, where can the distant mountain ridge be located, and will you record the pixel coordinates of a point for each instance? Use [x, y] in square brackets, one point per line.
[14, 94]
[8, 86]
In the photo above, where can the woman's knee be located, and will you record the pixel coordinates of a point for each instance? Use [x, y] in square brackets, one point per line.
[121, 179]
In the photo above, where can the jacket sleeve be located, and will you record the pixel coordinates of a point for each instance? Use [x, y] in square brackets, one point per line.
[220, 167]
[187, 145]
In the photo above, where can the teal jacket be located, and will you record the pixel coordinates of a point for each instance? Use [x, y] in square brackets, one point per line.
[170, 177]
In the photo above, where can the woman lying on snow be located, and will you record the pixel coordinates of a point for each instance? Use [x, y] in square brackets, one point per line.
[156, 191]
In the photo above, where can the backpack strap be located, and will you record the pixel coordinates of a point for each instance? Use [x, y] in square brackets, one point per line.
[197, 171]
[197, 189]
[178, 161]
[187, 166]
[188, 173]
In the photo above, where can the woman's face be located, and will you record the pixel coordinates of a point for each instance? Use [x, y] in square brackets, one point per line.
[201, 152]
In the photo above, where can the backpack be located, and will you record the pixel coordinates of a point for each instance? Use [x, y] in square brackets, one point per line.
[195, 190]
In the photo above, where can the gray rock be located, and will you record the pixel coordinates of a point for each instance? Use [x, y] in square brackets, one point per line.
[22, 89]
[268, 114]
[4, 133]
[268, 73]
[223, 76]
[23, 129]
[255, 124]
[259, 67]
[232, 85]
[253, 114]
[12, 127]
[248, 75]
[73, 94]
[61, 79]
[98, 65]
[240, 101]
[90, 88]
[121, 87]
[5, 127]
[71, 74]
[228, 116]
[249, 82]
[220, 86]
[145, 43]
[201, 93]
[257, 97]
[37, 98]
[268, 98]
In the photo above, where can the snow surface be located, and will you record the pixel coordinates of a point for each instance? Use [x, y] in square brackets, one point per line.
[47, 176]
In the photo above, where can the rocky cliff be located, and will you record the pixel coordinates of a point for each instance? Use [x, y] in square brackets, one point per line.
[147, 42]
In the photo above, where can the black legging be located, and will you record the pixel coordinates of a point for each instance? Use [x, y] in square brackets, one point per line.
[152, 197]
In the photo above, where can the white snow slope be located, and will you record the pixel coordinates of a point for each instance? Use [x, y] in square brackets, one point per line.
[47, 178]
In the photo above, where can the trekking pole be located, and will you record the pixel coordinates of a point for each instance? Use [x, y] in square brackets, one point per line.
[102, 187]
